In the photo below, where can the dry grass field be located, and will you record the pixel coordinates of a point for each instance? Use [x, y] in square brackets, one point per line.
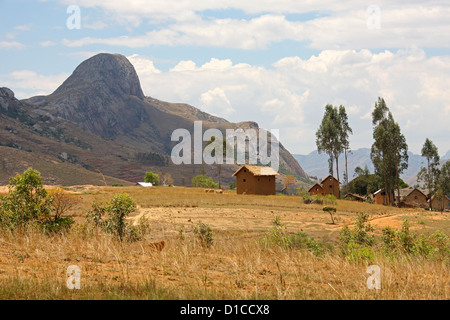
[236, 266]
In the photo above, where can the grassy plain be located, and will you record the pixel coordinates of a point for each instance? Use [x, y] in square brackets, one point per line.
[236, 266]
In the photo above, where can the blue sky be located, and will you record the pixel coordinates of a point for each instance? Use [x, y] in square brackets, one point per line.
[274, 62]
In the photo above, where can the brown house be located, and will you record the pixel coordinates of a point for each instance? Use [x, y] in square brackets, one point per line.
[380, 197]
[255, 180]
[330, 185]
[315, 189]
[326, 187]
[412, 197]
[441, 205]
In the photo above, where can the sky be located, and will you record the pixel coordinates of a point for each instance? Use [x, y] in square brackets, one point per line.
[274, 62]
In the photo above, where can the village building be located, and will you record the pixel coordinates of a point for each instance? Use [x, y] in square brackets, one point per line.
[412, 197]
[379, 197]
[354, 197]
[440, 204]
[329, 185]
[255, 180]
[315, 189]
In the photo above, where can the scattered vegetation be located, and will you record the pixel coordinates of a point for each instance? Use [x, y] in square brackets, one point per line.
[110, 217]
[202, 181]
[29, 205]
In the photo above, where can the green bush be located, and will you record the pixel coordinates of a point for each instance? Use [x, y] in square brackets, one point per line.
[152, 177]
[204, 233]
[116, 210]
[202, 181]
[278, 236]
[28, 205]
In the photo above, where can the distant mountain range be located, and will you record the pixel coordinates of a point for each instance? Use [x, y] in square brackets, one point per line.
[98, 127]
[316, 165]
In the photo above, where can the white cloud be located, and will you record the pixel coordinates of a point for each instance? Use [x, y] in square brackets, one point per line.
[343, 26]
[27, 83]
[11, 45]
[292, 94]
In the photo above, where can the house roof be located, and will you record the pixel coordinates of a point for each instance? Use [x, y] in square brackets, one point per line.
[258, 171]
[354, 195]
[407, 191]
[378, 191]
[144, 184]
[330, 176]
[315, 186]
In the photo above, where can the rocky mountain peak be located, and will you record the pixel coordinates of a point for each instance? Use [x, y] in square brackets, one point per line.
[103, 95]
[112, 71]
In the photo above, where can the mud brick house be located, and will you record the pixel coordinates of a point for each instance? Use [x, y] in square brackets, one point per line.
[315, 189]
[413, 197]
[255, 180]
[380, 197]
[441, 204]
[329, 185]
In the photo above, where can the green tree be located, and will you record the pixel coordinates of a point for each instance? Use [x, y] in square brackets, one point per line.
[152, 177]
[117, 210]
[328, 137]
[27, 200]
[389, 152]
[430, 174]
[345, 130]
[443, 182]
[28, 203]
[202, 181]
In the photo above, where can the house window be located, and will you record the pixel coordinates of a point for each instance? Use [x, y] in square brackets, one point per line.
[243, 180]
[415, 197]
[245, 170]
[331, 187]
[317, 189]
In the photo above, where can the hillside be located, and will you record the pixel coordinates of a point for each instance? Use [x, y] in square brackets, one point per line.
[100, 120]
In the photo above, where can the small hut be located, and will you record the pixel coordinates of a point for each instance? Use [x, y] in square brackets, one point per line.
[255, 180]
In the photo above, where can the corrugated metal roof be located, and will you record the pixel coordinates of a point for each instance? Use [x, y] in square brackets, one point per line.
[145, 184]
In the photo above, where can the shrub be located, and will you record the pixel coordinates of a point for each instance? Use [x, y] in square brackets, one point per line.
[203, 181]
[205, 235]
[152, 177]
[277, 236]
[331, 211]
[28, 204]
[117, 209]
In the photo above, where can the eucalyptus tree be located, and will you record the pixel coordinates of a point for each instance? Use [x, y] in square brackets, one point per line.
[389, 151]
[430, 174]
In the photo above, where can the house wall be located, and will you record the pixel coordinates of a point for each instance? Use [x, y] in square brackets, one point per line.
[328, 187]
[443, 204]
[248, 183]
[416, 199]
[317, 189]
[380, 198]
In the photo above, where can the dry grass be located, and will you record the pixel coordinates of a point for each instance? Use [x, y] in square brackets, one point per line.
[33, 266]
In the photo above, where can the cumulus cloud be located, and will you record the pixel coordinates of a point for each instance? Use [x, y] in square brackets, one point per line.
[291, 95]
[27, 83]
[343, 26]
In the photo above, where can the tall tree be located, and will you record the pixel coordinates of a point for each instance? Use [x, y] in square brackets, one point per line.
[344, 136]
[443, 182]
[327, 136]
[430, 174]
[389, 152]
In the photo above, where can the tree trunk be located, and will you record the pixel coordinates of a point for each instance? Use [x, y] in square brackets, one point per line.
[337, 173]
[346, 168]
[398, 183]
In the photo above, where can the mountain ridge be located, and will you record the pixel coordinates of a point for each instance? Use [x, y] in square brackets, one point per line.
[99, 118]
